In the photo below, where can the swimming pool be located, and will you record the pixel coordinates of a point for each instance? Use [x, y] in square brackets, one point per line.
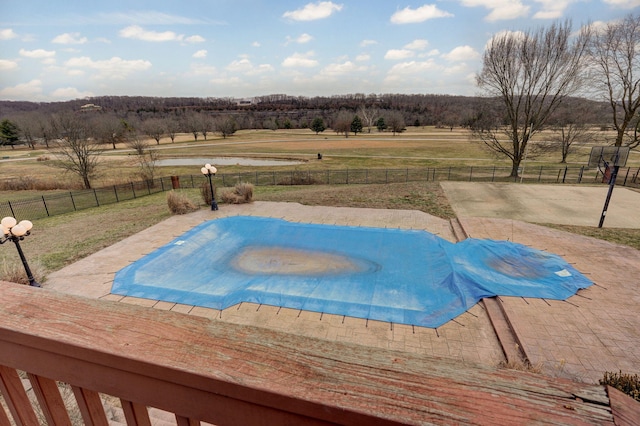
[400, 276]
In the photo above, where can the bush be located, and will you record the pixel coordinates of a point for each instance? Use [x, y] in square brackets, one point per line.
[14, 272]
[625, 383]
[205, 193]
[241, 193]
[179, 203]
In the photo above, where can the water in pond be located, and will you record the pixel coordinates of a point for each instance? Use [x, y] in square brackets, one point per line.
[226, 161]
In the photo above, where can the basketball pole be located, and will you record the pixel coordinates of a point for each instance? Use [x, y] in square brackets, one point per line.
[612, 183]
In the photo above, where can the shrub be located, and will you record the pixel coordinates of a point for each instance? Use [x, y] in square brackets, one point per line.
[205, 193]
[179, 203]
[625, 383]
[241, 193]
[14, 272]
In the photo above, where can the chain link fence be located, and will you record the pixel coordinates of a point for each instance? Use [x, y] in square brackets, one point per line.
[59, 203]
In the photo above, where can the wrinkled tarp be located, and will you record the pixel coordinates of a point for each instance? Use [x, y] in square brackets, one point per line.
[401, 276]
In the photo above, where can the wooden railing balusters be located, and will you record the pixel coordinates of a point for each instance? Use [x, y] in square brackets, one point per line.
[50, 400]
[90, 407]
[16, 397]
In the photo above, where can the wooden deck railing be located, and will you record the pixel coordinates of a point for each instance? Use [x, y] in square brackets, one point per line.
[227, 374]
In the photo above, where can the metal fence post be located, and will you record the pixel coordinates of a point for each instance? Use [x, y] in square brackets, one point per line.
[133, 189]
[470, 173]
[564, 176]
[95, 194]
[626, 176]
[73, 203]
[540, 174]
[580, 175]
[14, 214]
[45, 206]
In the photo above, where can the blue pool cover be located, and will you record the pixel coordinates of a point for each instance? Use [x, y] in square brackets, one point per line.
[401, 276]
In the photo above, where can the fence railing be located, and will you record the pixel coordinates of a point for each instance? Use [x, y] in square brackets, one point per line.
[50, 205]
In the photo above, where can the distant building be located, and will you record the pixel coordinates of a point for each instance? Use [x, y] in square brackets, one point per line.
[90, 107]
[246, 102]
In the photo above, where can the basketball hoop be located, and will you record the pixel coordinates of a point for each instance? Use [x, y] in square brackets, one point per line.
[608, 159]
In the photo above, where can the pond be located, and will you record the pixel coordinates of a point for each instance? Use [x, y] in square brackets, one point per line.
[226, 161]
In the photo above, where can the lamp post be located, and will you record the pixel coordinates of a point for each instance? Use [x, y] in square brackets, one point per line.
[13, 231]
[208, 170]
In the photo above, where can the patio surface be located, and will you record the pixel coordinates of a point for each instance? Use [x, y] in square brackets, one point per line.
[595, 331]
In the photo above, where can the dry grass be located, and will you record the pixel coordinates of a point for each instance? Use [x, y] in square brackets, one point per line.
[424, 196]
[180, 203]
[242, 193]
[13, 271]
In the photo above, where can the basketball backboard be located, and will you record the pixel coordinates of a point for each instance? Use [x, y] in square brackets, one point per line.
[608, 156]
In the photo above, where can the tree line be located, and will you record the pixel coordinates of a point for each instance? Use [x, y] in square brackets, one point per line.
[548, 78]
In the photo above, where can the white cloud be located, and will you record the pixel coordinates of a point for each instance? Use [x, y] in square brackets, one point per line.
[410, 69]
[421, 14]
[200, 69]
[313, 11]
[418, 44]
[114, 68]
[303, 38]
[365, 43]
[7, 34]
[245, 66]
[553, 9]
[69, 93]
[30, 90]
[200, 54]
[226, 81]
[7, 65]
[397, 54]
[362, 58]
[461, 53]
[255, 44]
[623, 4]
[195, 39]
[335, 70]
[138, 33]
[37, 54]
[69, 38]
[300, 60]
[500, 9]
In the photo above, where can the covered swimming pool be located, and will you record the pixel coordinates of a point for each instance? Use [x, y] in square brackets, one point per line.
[395, 275]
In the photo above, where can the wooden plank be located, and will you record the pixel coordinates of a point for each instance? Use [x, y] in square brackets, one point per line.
[90, 406]
[135, 414]
[50, 400]
[225, 373]
[183, 421]
[16, 397]
[4, 417]
[626, 410]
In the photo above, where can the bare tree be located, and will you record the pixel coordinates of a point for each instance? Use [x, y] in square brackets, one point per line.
[570, 125]
[615, 51]
[226, 125]
[531, 73]
[77, 151]
[369, 116]
[342, 122]
[28, 129]
[173, 128]
[146, 158]
[395, 122]
[154, 128]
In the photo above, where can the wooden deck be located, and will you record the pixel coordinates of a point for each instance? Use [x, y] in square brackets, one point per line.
[206, 370]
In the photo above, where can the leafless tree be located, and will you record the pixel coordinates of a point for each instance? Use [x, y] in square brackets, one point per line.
[154, 128]
[369, 116]
[531, 73]
[173, 127]
[77, 150]
[570, 125]
[145, 158]
[395, 122]
[342, 122]
[226, 126]
[28, 129]
[109, 129]
[615, 51]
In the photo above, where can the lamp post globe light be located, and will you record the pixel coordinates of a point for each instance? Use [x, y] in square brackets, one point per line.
[208, 170]
[13, 231]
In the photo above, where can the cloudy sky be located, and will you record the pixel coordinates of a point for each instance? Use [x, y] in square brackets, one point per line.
[60, 50]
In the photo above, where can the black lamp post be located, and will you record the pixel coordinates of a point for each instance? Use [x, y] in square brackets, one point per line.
[13, 231]
[208, 170]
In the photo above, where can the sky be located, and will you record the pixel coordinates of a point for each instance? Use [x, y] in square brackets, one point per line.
[62, 50]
